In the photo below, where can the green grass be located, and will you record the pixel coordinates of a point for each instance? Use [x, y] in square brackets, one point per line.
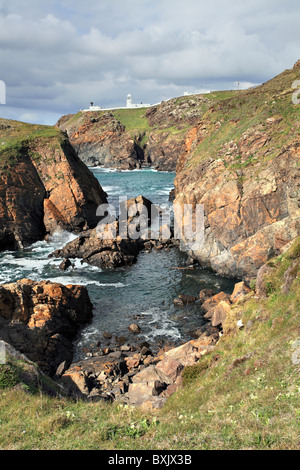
[18, 139]
[250, 109]
[133, 119]
[242, 395]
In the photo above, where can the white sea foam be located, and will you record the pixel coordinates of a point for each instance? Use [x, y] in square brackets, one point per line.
[163, 192]
[162, 325]
[81, 281]
[100, 169]
[112, 190]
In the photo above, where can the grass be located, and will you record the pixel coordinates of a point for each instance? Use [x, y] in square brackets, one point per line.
[242, 395]
[133, 119]
[250, 109]
[137, 124]
[18, 139]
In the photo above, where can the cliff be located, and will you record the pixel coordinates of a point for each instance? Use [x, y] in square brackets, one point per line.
[241, 162]
[41, 319]
[43, 185]
[131, 138]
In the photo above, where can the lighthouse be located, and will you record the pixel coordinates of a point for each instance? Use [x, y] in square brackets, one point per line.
[129, 101]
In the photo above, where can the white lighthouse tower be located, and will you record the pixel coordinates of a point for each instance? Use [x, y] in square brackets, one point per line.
[129, 101]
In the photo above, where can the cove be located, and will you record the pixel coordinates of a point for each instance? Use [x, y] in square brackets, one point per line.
[142, 293]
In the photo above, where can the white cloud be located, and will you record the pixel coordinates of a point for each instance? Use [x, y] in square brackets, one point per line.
[55, 58]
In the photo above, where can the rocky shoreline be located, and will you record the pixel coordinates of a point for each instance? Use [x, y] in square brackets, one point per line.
[41, 320]
[248, 186]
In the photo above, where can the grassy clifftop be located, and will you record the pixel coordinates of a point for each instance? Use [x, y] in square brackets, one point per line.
[153, 136]
[15, 135]
[265, 109]
[242, 395]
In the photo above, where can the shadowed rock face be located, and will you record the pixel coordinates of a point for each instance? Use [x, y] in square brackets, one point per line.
[111, 253]
[114, 244]
[129, 139]
[102, 140]
[41, 319]
[43, 186]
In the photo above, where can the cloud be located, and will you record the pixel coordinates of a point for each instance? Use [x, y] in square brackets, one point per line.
[57, 57]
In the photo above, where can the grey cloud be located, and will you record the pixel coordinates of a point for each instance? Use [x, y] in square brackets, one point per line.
[56, 57]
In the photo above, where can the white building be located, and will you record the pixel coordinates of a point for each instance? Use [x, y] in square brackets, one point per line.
[129, 104]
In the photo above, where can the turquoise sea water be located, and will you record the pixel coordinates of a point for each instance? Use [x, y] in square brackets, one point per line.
[142, 293]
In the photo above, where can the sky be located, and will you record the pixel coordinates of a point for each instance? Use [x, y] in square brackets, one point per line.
[58, 56]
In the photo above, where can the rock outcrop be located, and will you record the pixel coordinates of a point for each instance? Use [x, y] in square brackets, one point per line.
[112, 245]
[241, 162]
[135, 138]
[101, 139]
[41, 319]
[133, 375]
[43, 185]
[110, 253]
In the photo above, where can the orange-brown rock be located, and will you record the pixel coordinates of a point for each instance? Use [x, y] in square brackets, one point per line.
[148, 137]
[40, 319]
[220, 313]
[101, 139]
[242, 166]
[43, 186]
[239, 292]
[213, 301]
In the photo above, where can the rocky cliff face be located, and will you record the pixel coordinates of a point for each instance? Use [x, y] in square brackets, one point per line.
[100, 138]
[241, 162]
[128, 139]
[43, 185]
[40, 319]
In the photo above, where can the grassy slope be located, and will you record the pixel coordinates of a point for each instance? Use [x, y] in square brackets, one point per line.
[15, 136]
[136, 122]
[250, 109]
[243, 395]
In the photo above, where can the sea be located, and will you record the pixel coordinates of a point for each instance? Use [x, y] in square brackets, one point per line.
[143, 293]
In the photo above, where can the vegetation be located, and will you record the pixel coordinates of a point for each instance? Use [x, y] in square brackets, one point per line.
[252, 109]
[133, 119]
[18, 138]
[243, 395]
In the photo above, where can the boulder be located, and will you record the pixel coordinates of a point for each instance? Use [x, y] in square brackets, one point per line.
[205, 294]
[185, 300]
[220, 313]
[239, 292]
[141, 391]
[134, 328]
[261, 287]
[114, 243]
[168, 370]
[65, 264]
[104, 253]
[152, 403]
[41, 319]
[209, 305]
